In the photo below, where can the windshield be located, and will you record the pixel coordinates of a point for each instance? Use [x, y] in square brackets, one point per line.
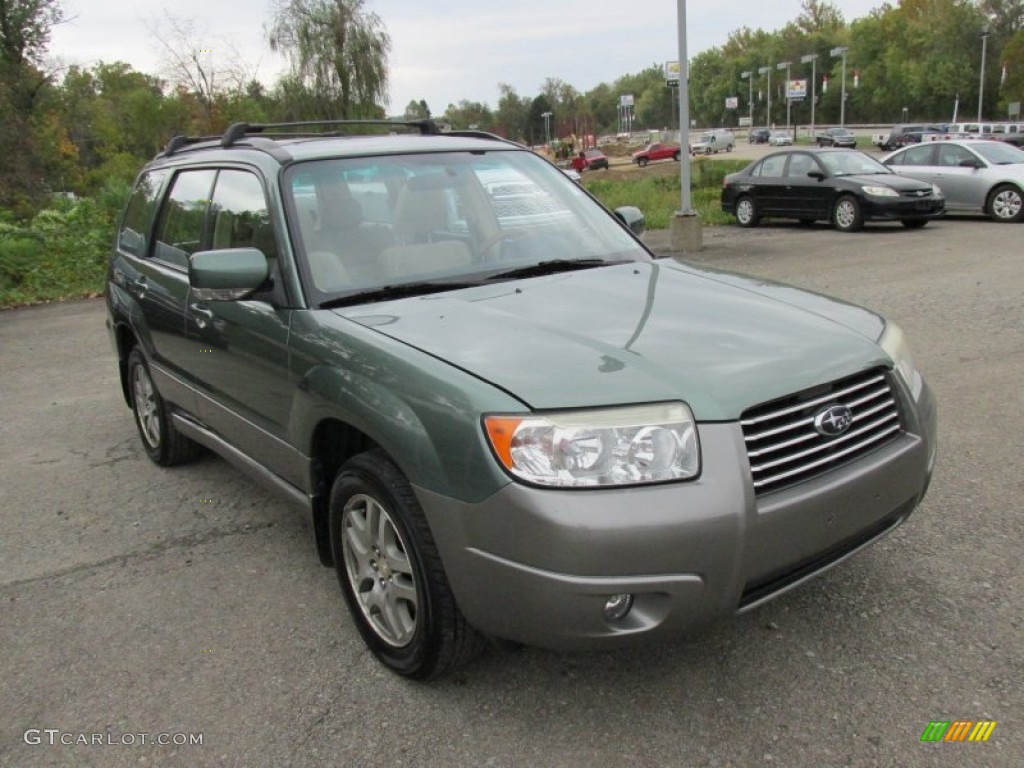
[850, 163]
[438, 219]
[998, 153]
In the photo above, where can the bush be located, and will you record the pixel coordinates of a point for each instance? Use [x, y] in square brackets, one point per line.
[61, 252]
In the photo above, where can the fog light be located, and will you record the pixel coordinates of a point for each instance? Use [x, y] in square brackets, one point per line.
[617, 607]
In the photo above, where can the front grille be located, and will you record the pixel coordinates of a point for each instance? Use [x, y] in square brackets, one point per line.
[784, 447]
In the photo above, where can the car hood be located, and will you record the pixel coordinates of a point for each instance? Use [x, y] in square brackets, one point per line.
[635, 333]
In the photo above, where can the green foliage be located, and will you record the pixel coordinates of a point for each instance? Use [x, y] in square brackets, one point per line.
[338, 51]
[658, 196]
[61, 252]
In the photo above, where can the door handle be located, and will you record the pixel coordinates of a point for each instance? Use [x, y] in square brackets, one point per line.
[203, 315]
[139, 286]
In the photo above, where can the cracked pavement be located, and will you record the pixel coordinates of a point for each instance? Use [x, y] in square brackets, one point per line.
[140, 600]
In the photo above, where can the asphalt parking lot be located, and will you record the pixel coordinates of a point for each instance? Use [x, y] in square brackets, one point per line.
[140, 601]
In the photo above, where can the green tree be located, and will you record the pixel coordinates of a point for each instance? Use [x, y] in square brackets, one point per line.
[417, 110]
[469, 115]
[338, 53]
[513, 113]
[24, 33]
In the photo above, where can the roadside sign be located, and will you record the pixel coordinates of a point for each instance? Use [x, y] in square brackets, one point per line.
[626, 100]
[745, 122]
[672, 73]
[1014, 109]
[796, 90]
[732, 102]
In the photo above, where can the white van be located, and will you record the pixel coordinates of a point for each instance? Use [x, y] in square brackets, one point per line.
[712, 142]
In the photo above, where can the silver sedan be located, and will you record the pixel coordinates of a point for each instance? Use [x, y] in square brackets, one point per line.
[976, 176]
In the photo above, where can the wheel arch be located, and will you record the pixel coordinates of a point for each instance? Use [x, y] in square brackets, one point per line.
[333, 442]
[126, 341]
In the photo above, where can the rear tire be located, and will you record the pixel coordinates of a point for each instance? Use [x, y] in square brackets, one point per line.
[163, 443]
[846, 215]
[676, 157]
[391, 573]
[746, 212]
[1006, 204]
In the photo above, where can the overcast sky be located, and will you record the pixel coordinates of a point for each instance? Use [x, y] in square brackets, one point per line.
[443, 50]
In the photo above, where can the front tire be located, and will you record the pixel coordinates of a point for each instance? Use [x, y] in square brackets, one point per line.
[746, 212]
[913, 223]
[846, 215]
[163, 443]
[1005, 204]
[391, 573]
[642, 162]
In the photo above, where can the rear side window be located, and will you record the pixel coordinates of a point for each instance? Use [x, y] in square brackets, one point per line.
[133, 237]
[771, 166]
[919, 155]
[180, 233]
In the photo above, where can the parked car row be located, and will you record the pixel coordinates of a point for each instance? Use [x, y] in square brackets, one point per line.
[913, 185]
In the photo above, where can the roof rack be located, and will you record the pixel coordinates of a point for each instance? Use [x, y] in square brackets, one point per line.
[237, 131]
[261, 135]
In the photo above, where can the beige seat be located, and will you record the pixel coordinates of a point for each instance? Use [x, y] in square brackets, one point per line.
[419, 223]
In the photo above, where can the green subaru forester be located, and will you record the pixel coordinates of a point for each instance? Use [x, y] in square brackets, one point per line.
[505, 417]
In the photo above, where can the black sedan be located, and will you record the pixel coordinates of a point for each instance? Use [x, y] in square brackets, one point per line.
[841, 186]
[837, 137]
[759, 136]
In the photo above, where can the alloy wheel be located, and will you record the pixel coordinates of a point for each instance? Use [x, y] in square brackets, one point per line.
[379, 570]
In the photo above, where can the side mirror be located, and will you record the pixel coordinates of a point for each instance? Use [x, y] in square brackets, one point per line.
[633, 218]
[970, 163]
[816, 175]
[227, 274]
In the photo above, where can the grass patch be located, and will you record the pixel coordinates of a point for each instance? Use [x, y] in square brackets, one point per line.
[658, 196]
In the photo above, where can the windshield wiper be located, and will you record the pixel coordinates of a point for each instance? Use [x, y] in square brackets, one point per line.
[551, 267]
[400, 290]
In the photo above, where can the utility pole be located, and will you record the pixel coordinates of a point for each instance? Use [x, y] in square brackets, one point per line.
[813, 58]
[785, 65]
[686, 233]
[768, 115]
[749, 77]
[985, 32]
[837, 52]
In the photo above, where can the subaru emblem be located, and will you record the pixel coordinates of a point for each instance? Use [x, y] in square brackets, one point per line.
[833, 421]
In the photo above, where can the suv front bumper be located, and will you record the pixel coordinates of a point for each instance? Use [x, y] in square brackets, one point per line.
[537, 565]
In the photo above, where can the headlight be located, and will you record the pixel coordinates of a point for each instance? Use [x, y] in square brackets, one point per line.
[615, 446]
[936, 191]
[895, 345]
[879, 191]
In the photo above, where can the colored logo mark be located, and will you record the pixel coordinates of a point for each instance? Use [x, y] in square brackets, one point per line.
[958, 730]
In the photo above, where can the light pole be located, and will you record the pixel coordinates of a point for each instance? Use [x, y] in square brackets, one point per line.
[749, 77]
[906, 112]
[813, 58]
[686, 233]
[780, 66]
[836, 53]
[985, 32]
[547, 126]
[768, 114]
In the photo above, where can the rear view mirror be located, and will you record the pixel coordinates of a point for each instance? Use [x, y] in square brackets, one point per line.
[816, 175]
[633, 218]
[227, 274]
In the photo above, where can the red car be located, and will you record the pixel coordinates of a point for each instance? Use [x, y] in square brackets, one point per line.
[595, 159]
[656, 151]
